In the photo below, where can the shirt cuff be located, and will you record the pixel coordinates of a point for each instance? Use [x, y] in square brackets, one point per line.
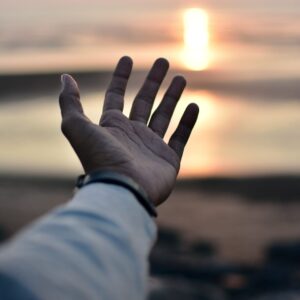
[119, 204]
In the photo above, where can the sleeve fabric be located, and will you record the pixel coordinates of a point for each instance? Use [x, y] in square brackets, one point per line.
[94, 247]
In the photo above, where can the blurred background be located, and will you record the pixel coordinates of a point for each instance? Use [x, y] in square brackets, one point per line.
[231, 228]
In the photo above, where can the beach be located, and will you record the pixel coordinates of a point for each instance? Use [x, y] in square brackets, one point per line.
[224, 212]
[216, 235]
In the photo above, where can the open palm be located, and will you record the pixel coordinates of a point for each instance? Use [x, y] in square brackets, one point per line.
[131, 146]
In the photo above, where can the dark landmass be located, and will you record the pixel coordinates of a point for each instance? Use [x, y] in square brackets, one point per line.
[24, 86]
[256, 188]
[260, 188]
[23, 198]
[195, 269]
[276, 89]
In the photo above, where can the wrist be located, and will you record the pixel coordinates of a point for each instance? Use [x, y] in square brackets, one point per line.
[122, 180]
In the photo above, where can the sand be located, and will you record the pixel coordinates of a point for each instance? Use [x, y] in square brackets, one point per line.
[239, 227]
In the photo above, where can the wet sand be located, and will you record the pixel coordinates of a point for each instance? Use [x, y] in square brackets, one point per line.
[241, 230]
[238, 223]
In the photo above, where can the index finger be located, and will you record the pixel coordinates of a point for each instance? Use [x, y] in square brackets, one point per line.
[143, 102]
[114, 96]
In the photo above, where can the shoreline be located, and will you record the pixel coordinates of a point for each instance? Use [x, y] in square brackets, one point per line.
[230, 83]
[225, 212]
[255, 187]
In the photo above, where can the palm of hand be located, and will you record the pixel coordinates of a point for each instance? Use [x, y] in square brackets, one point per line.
[140, 153]
[129, 146]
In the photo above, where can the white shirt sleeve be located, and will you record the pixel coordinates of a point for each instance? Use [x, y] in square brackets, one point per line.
[94, 247]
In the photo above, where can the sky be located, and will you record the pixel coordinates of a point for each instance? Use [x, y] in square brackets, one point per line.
[54, 35]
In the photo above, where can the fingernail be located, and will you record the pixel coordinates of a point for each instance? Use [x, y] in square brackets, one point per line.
[63, 80]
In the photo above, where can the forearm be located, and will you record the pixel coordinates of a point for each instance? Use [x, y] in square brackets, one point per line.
[95, 247]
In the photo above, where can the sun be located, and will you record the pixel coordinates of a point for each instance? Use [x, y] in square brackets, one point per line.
[196, 39]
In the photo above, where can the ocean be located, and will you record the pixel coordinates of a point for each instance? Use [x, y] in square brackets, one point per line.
[245, 127]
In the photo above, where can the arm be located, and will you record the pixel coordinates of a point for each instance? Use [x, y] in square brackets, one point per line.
[96, 247]
[90, 248]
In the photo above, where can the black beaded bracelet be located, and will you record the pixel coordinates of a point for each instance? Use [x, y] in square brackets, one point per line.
[122, 180]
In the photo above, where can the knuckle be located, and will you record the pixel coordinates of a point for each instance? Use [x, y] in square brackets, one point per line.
[64, 95]
[67, 123]
[111, 117]
[164, 112]
[119, 90]
[64, 127]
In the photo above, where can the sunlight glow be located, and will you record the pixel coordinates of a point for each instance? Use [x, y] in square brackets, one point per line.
[196, 39]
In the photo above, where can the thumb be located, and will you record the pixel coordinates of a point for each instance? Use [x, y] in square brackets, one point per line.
[69, 98]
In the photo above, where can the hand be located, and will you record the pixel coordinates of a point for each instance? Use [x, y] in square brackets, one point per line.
[128, 145]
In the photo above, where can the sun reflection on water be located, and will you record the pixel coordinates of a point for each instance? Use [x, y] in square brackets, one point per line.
[199, 157]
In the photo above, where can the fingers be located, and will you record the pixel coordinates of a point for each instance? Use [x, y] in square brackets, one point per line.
[181, 135]
[160, 119]
[143, 102]
[114, 97]
[69, 98]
